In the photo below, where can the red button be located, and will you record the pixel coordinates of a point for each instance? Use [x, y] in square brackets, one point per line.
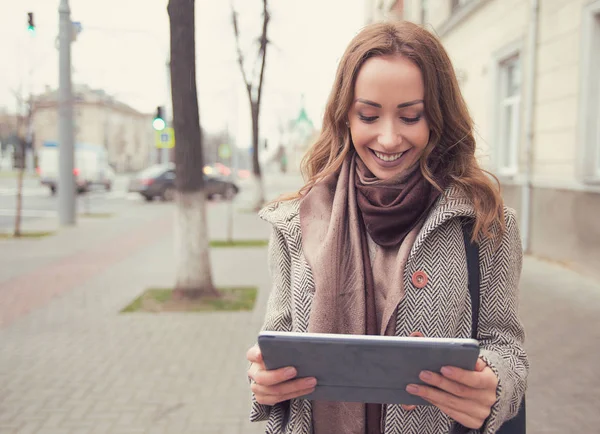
[419, 279]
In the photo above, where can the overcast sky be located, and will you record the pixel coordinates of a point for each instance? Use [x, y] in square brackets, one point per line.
[124, 46]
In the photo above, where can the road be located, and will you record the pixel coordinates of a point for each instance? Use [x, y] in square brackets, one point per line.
[39, 204]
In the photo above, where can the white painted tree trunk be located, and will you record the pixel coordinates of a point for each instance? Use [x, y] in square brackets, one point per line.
[192, 246]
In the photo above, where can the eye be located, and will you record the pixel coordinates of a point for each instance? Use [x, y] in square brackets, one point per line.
[411, 120]
[367, 119]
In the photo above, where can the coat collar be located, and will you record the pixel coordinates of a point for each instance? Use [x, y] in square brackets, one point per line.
[285, 216]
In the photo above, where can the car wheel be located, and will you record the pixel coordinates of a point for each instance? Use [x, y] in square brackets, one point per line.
[147, 197]
[230, 192]
[53, 190]
[168, 194]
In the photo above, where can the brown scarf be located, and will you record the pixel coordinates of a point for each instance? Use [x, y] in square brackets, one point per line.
[337, 216]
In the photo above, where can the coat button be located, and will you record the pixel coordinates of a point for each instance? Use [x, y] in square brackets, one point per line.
[419, 279]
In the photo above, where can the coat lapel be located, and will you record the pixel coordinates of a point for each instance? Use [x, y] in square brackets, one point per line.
[450, 205]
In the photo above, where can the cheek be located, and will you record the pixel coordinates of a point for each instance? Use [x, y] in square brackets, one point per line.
[362, 134]
[419, 136]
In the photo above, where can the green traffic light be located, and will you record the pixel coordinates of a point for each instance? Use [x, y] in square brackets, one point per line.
[159, 124]
[31, 30]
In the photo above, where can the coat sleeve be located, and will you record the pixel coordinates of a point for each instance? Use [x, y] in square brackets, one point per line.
[279, 309]
[501, 333]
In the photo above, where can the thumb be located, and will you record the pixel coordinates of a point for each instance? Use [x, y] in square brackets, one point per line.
[254, 355]
[480, 365]
[416, 335]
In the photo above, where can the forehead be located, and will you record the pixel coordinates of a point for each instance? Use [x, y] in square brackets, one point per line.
[389, 80]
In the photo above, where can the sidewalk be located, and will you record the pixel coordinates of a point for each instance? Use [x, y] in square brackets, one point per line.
[70, 363]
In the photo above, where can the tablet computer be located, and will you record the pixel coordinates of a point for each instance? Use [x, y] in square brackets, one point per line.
[361, 368]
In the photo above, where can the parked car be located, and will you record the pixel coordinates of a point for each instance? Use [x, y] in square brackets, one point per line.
[90, 169]
[159, 181]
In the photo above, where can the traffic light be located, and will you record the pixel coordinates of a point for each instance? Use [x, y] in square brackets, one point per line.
[30, 23]
[159, 123]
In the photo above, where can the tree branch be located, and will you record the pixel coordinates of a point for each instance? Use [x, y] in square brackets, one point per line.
[263, 49]
[240, 56]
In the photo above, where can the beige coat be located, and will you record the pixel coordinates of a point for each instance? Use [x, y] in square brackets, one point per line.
[438, 252]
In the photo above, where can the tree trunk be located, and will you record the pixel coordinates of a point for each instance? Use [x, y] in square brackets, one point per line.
[17, 231]
[259, 200]
[194, 278]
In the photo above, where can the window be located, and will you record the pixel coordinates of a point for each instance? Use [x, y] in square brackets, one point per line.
[590, 95]
[424, 12]
[458, 3]
[509, 111]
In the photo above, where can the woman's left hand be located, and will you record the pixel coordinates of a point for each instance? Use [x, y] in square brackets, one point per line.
[465, 396]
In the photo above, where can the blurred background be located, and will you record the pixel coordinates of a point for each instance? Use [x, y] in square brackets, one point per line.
[528, 69]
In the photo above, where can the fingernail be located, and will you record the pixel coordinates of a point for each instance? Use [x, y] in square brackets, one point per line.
[311, 382]
[411, 388]
[290, 372]
[447, 370]
[426, 375]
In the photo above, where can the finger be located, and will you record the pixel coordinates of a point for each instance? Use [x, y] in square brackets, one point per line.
[460, 417]
[254, 354]
[434, 395]
[474, 379]
[285, 389]
[416, 335]
[473, 408]
[273, 377]
[408, 407]
[450, 386]
[272, 399]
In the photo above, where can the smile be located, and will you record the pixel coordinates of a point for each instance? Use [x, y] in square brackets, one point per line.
[388, 157]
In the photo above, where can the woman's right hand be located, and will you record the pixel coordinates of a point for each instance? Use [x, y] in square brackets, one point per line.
[271, 387]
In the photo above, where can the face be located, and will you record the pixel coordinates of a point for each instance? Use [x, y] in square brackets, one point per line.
[387, 120]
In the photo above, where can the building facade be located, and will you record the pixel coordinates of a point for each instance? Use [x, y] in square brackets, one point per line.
[530, 73]
[99, 119]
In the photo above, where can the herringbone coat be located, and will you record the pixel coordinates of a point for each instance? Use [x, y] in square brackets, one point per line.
[441, 309]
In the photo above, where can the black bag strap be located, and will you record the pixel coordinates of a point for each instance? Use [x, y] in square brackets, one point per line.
[472, 250]
[518, 424]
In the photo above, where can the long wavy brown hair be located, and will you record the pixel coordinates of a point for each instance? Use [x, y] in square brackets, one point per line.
[451, 142]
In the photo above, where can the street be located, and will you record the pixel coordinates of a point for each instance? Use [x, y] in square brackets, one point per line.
[38, 203]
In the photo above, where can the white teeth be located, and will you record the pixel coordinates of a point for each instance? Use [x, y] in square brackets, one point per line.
[387, 157]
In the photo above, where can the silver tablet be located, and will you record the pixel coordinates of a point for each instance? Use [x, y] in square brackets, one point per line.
[358, 368]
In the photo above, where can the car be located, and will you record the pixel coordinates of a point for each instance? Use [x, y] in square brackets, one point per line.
[91, 168]
[159, 181]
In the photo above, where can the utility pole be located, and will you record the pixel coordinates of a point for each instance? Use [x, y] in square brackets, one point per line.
[66, 149]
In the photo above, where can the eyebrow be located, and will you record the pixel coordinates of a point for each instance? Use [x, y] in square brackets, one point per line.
[404, 104]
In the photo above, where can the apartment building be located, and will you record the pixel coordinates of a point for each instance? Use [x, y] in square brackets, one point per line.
[100, 119]
[530, 73]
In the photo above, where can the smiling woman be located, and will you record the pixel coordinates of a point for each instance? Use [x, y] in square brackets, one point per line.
[374, 244]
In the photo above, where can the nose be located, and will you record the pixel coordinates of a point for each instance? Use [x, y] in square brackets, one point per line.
[388, 137]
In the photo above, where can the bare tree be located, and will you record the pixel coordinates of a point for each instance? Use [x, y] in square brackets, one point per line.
[194, 278]
[23, 143]
[254, 88]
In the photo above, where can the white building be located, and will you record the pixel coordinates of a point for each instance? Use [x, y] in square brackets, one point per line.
[100, 119]
[530, 72]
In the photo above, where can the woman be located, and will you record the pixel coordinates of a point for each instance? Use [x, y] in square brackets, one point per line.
[373, 244]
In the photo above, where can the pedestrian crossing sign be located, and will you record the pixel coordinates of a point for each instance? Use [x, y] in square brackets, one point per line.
[165, 138]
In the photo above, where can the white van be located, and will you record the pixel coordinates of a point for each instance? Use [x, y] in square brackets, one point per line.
[91, 167]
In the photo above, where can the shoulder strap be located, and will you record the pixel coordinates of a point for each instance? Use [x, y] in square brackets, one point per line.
[517, 425]
[472, 250]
